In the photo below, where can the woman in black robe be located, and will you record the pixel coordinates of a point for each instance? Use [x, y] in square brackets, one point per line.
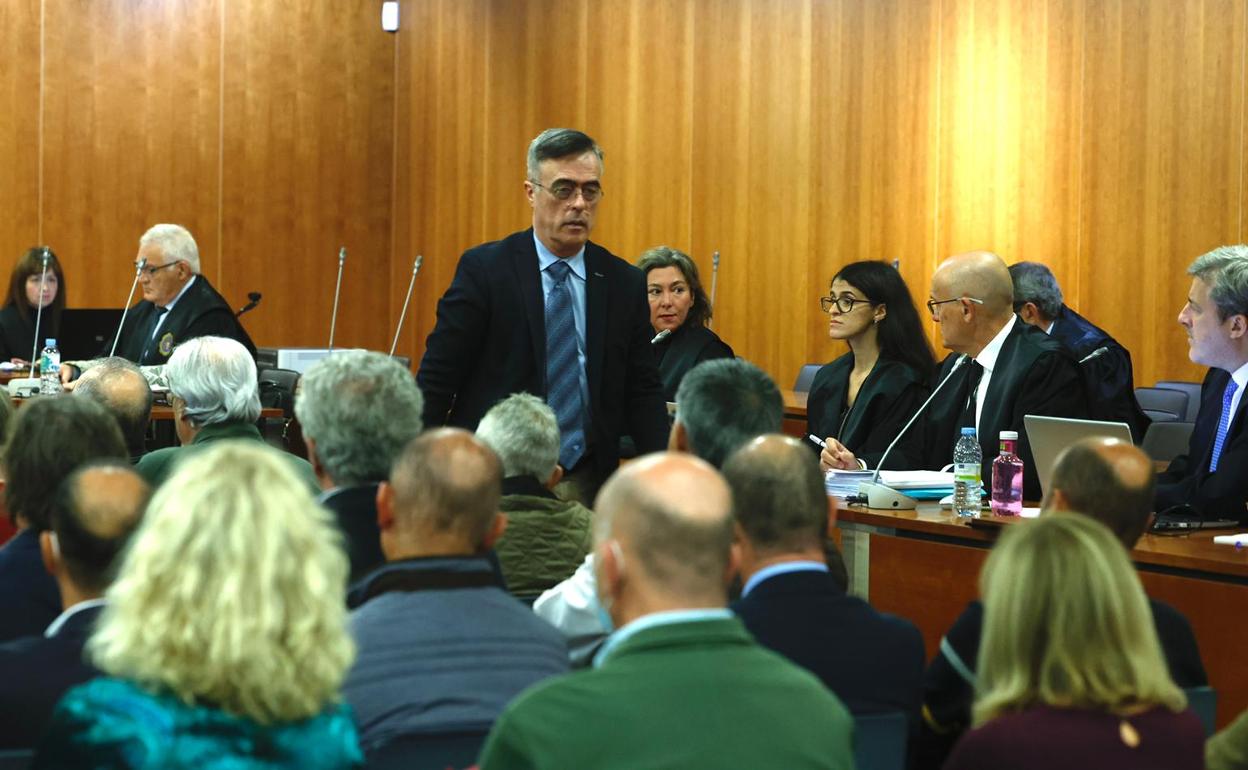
[17, 319]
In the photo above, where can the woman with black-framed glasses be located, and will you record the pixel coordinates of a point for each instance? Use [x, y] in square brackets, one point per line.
[859, 402]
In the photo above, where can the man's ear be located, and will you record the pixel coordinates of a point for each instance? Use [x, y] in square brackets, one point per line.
[1054, 501]
[678, 439]
[832, 508]
[497, 527]
[555, 477]
[312, 458]
[1238, 326]
[48, 552]
[385, 506]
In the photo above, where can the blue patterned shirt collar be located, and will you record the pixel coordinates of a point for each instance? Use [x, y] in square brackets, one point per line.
[546, 258]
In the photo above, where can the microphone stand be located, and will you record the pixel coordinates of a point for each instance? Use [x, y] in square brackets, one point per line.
[714, 280]
[403, 315]
[138, 270]
[43, 276]
[333, 319]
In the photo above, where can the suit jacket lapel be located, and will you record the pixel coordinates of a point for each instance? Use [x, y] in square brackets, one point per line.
[993, 415]
[529, 279]
[596, 288]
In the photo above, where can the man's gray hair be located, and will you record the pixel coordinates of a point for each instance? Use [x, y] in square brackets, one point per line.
[360, 408]
[216, 378]
[724, 403]
[524, 433]
[175, 242]
[1225, 270]
[1034, 282]
[118, 383]
[558, 143]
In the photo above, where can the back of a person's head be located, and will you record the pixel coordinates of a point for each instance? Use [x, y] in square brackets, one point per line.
[1067, 624]
[94, 512]
[119, 385]
[524, 433]
[1034, 282]
[49, 438]
[1110, 481]
[724, 403]
[360, 408]
[215, 377]
[446, 482]
[230, 592]
[778, 494]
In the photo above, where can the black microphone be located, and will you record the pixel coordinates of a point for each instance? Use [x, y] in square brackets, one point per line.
[138, 270]
[880, 496]
[1094, 354]
[254, 299]
[661, 336]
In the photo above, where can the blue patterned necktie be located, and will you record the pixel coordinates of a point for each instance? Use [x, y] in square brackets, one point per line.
[1224, 424]
[563, 382]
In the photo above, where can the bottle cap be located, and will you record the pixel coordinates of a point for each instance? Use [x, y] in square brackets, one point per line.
[968, 431]
[49, 343]
[1009, 435]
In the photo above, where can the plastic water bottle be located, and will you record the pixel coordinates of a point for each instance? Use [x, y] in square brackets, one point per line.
[1007, 478]
[967, 458]
[50, 369]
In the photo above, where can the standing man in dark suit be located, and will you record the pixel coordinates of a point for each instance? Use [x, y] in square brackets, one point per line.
[1211, 477]
[548, 312]
[1104, 364]
[1015, 369]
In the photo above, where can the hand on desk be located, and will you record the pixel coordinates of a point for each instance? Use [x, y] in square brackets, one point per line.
[836, 457]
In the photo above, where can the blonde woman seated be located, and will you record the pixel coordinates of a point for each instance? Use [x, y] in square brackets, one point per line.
[223, 641]
[1071, 674]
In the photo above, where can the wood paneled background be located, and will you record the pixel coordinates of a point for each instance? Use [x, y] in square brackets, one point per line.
[1103, 137]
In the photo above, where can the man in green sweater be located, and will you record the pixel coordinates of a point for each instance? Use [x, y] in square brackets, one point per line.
[680, 684]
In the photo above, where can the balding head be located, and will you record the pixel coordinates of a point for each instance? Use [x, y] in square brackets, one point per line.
[663, 535]
[442, 497]
[778, 495]
[983, 280]
[120, 387]
[1108, 480]
[94, 512]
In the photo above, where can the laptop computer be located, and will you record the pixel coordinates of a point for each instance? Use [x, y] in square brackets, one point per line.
[1048, 436]
[87, 332]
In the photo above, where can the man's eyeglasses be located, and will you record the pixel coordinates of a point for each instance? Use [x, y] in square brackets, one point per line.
[932, 303]
[590, 192]
[844, 303]
[153, 270]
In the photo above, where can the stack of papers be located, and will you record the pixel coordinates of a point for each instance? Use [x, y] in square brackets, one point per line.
[921, 485]
[844, 484]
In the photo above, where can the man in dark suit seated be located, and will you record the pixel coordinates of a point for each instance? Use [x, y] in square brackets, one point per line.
[1112, 482]
[1210, 476]
[549, 312]
[120, 387]
[681, 683]
[94, 512]
[791, 604]
[357, 410]
[1104, 364]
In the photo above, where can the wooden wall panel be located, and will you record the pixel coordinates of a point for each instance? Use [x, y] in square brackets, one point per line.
[131, 130]
[1163, 148]
[19, 133]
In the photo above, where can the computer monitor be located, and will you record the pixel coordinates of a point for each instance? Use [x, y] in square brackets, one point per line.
[1048, 436]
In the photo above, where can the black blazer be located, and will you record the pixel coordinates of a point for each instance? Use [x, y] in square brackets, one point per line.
[1188, 479]
[200, 312]
[17, 334]
[355, 511]
[687, 347]
[1034, 374]
[35, 672]
[30, 598]
[887, 399]
[1108, 377]
[490, 342]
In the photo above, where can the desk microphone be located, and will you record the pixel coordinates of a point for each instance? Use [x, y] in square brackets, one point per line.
[138, 270]
[881, 496]
[253, 300]
[333, 318]
[43, 276]
[402, 315]
[661, 336]
[1094, 354]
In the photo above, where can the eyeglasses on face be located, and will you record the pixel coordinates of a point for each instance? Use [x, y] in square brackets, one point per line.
[153, 270]
[932, 303]
[843, 303]
[590, 191]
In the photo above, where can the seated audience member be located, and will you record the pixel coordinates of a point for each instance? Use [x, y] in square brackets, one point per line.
[94, 511]
[546, 537]
[7, 528]
[681, 683]
[224, 637]
[722, 404]
[1103, 479]
[872, 661]
[17, 319]
[1228, 750]
[442, 646]
[122, 389]
[860, 402]
[48, 439]
[1216, 320]
[1107, 374]
[1015, 369]
[357, 410]
[215, 397]
[680, 307]
[1071, 674]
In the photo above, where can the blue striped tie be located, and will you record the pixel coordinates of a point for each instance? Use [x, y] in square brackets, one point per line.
[563, 382]
[1224, 424]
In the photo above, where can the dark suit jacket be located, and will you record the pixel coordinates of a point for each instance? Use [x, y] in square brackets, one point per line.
[200, 312]
[887, 399]
[17, 334]
[490, 342]
[355, 510]
[30, 598]
[1108, 377]
[1188, 479]
[687, 347]
[872, 661]
[35, 671]
[1034, 374]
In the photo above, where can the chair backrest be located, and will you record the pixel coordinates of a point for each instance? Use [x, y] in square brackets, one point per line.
[805, 377]
[1204, 701]
[1163, 401]
[880, 741]
[277, 389]
[16, 759]
[1192, 389]
[427, 752]
[1165, 441]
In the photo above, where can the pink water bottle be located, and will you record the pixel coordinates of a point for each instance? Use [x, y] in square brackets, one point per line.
[1007, 478]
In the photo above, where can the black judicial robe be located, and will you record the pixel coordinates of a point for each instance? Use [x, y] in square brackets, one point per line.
[200, 312]
[17, 334]
[887, 399]
[1110, 382]
[684, 349]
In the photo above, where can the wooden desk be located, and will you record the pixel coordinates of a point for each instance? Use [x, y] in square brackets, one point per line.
[924, 565]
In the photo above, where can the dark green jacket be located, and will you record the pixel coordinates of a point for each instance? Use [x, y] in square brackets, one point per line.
[158, 465]
[546, 538]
